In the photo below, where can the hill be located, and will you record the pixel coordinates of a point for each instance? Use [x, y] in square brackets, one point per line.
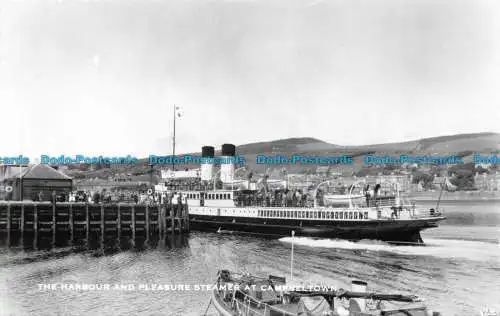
[463, 144]
[287, 145]
[477, 142]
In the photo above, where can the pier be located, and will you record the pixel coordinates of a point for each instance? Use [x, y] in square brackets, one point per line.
[69, 224]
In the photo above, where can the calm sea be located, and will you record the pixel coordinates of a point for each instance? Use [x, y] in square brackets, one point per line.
[457, 273]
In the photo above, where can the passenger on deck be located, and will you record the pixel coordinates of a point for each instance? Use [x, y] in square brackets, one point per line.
[394, 213]
[175, 199]
[304, 200]
[367, 195]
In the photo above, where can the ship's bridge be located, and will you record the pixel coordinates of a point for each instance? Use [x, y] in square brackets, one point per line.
[217, 198]
[221, 198]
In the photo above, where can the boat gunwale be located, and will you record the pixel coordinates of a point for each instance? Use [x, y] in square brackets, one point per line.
[219, 305]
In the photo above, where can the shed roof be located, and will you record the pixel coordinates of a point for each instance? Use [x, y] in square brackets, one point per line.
[43, 172]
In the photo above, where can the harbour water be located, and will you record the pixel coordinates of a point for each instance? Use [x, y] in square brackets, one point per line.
[456, 273]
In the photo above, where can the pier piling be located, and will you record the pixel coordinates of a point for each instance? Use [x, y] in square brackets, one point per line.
[102, 225]
[8, 225]
[22, 224]
[71, 232]
[118, 223]
[54, 224]
[35, 227]
[132, 224]
[70, 224]
[87, 223]
[147, 224]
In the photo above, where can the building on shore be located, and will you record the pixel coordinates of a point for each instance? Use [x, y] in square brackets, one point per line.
[36, 182]
[404, 181]
[487, 182]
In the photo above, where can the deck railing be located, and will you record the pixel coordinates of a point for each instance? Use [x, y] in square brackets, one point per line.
[253, 307]
[245, 308]
[360, 203]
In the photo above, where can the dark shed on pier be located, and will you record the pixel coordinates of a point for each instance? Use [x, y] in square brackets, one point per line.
[41, 178]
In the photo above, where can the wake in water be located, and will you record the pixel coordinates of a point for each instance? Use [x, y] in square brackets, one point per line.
[442, 248]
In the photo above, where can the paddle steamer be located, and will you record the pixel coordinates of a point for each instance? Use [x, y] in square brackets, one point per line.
[227, 204]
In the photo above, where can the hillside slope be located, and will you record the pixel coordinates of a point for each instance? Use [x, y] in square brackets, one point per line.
[479, 142]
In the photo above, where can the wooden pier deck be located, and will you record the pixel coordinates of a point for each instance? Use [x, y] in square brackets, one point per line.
[67, 224]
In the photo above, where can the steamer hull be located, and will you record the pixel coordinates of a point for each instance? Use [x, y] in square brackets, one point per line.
[394, 231]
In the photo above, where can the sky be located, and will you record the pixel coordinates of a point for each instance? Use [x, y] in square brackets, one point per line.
[101, 77]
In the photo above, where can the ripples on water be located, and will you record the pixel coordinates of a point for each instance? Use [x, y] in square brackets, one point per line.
[457, 272]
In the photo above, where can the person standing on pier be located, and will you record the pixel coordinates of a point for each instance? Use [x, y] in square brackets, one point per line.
[179, 204]
[96, 197]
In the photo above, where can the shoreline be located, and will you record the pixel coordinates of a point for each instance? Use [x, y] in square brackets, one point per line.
[471, 196]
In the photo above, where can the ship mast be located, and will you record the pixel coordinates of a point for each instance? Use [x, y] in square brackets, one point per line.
[173, 141]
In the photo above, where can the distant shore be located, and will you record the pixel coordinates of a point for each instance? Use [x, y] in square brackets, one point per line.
[455, 196]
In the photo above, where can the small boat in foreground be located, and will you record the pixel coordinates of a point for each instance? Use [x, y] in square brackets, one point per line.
[248, 295]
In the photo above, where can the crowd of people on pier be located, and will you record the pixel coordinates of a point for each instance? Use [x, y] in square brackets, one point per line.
[103, 196]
